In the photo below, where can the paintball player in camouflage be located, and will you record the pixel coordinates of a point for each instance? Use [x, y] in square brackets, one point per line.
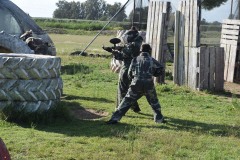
[36, 44]
[141, 70]
[130, 50]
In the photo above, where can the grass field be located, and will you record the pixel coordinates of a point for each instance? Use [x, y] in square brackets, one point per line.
[200, 125]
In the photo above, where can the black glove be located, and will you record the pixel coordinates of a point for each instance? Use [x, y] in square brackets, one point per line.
[108, 49]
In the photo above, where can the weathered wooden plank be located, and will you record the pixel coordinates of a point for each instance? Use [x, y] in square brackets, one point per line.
[212, 68]
[228, 42]
[233, 27]
[228, 21]
[166, 9]
[190, 70]
[230, 37]
[159, 42]
[159, 36]
[149, 20]
[232, 60]
[162, 32]
[176, 48]
[202, 64]
[230, 32]
[226, 59]
[206, 69]
[181, 47]
[155, 30]
[237, 67]
[190, 2]
[194, 23]
[186, 60]
[187, 25]
[193, 69]
[152, 22]
[219, 74]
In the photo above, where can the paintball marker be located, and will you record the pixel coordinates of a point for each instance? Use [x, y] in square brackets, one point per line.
[114, 41]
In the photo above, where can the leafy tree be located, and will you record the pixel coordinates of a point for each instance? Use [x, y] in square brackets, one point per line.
[204, 22]
[210, 4]
[94, 9]
[90, 9]
[111, 10]
[141, 15]
[67, 10]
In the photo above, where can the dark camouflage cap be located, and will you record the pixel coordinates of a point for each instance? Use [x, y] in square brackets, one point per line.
[146, 47]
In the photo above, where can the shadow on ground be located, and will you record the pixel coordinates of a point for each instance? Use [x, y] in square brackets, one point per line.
[94, 99]
[78, 121]
[198, 127]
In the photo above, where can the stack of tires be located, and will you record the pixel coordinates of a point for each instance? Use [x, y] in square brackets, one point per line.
[29, 82]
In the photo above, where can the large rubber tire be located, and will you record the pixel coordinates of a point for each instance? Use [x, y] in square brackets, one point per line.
[41, 95]
[30, 85]
[14, 44]
[29, 66]
[31, 107]
[29, 82]
[30, 90]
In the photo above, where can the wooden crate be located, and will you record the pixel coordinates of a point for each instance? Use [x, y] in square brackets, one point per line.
[230, 41]
[157, 29]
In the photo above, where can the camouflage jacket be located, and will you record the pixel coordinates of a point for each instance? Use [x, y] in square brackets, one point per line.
[144, 67]
[130, 51]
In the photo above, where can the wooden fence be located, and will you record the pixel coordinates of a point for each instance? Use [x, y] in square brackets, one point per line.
[206, 65]
[194, 66]
[187, 19]
[230, 41]
[157, 27]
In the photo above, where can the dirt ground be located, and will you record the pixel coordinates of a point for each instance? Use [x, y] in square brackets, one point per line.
[234, 88]
[86, 114]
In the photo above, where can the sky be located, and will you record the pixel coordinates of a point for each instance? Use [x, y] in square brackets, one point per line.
[45, 8]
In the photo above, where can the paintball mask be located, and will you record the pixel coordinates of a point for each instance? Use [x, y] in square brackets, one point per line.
[131, 35]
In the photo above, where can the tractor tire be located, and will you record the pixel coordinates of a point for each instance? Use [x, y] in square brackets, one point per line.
[29, 82]
[13, 44]
[28, 106]
[29, 66]
[30, 85]
[40, 95]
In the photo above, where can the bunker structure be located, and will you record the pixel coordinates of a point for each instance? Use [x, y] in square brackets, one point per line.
[29, 82]
[195, 66]
[14, 23]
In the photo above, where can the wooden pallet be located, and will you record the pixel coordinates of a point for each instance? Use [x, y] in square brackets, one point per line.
[230, 41]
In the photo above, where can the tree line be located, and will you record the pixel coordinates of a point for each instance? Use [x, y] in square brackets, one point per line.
[90, 10]
[100, 10]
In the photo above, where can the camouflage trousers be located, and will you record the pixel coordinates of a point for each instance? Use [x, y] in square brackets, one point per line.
[123, 85]
[137, 89]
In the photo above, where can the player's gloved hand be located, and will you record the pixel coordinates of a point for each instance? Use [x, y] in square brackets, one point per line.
[108, 49]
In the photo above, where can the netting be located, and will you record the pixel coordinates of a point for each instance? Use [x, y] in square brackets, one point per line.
[236, 6]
